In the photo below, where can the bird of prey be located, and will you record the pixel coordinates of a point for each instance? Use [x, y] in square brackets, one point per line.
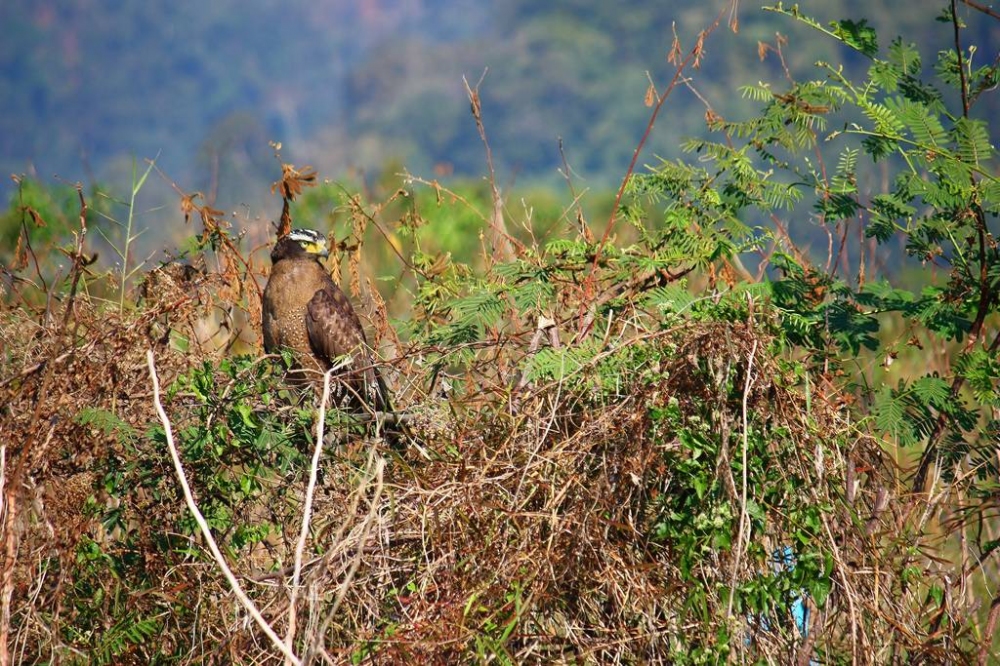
[305, 311]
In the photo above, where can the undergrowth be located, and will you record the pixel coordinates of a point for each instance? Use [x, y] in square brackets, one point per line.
[620, 446]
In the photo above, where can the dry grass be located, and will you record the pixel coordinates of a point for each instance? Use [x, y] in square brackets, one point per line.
[525, 522]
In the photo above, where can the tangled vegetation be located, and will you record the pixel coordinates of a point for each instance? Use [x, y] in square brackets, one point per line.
[674, 439]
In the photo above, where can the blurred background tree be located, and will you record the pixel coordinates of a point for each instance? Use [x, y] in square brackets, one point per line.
[87, 85]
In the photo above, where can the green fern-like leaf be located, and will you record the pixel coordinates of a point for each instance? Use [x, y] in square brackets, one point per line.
[533, 294]
[128, 632]
[845, 179]
[885, 75]
[107, 422]
[673, 297]
[889, 215]
[761, 92]
[892, 206]
[924, 125]
[550, 364]
[887, 121]
[917, 91]
[889, 413]
[904, 56]
[838, 207]
[935, 312]
[932, 390]
[484, 307]
[858, 35]
[972, 140]
[989, 195]
[779, 195]
[954, 182]
[568, 248]
[982, 372]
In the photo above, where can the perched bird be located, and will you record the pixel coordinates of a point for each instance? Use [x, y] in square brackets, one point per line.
[305, 311]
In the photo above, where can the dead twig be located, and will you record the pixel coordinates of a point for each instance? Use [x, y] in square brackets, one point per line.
[502, 240]
[300, 546]
[744, 516]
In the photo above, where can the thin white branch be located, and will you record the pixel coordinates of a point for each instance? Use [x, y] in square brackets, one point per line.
[300, 547]
[3, 475]
[203, 524]
[10, 552]
[744, 516]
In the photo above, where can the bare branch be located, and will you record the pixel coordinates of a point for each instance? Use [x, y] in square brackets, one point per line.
[744, 516]
[502, 240]
[300, 547]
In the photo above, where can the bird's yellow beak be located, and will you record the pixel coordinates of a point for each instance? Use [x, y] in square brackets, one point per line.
[318, 247]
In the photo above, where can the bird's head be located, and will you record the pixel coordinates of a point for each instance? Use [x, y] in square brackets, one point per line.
[300, 242]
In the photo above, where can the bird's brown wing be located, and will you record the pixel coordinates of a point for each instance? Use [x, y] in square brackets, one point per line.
[334, 330]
